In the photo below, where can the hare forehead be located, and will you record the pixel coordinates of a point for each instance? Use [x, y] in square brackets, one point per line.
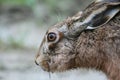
[52, 30]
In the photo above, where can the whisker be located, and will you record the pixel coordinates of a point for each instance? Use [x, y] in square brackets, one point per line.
[49, 71]
[49, 75]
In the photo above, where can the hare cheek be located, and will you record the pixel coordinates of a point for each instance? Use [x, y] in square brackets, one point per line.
[51, 46]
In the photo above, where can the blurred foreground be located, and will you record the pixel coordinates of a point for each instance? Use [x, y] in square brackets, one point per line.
[19, 65]
[23, 24]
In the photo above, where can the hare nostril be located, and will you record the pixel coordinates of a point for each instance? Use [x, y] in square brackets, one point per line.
[36, 62]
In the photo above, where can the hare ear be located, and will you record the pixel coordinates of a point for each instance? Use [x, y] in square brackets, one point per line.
[99, 18]
[109, 1]
[96, 14]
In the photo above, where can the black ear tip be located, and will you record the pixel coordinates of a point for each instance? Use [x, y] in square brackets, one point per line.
[108, 1]
[112, 0]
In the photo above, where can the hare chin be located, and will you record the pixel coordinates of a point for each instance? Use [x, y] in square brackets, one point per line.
[79, 74]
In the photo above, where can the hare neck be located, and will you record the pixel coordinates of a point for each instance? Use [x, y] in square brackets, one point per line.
[112, 69]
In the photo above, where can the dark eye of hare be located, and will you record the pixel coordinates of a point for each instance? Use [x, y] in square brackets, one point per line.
[51, 36]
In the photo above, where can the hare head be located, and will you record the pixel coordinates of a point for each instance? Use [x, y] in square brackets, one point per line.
[57, 51]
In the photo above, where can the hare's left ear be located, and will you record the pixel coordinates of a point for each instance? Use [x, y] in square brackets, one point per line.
[102, 15]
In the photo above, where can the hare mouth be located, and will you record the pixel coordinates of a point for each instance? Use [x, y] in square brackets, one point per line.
[79, 73]
[53, 66]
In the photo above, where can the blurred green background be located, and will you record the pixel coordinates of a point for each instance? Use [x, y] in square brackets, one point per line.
[22, 26]
[23, 15]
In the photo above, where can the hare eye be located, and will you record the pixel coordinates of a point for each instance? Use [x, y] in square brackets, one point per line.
[51, 36]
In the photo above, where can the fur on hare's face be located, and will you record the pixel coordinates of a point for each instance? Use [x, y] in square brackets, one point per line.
[56, 52]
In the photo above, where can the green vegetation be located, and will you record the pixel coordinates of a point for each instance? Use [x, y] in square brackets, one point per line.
[30, 3]
[45, 13]
[15, 43]
[2, 67]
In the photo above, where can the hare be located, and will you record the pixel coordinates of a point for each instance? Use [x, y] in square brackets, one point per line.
[90, 39]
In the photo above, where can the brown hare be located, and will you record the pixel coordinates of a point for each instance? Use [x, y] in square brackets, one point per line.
[90, 39]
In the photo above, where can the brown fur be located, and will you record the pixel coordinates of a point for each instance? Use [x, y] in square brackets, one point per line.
[100, 49]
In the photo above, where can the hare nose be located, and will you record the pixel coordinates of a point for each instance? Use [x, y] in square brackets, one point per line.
[36, 62]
